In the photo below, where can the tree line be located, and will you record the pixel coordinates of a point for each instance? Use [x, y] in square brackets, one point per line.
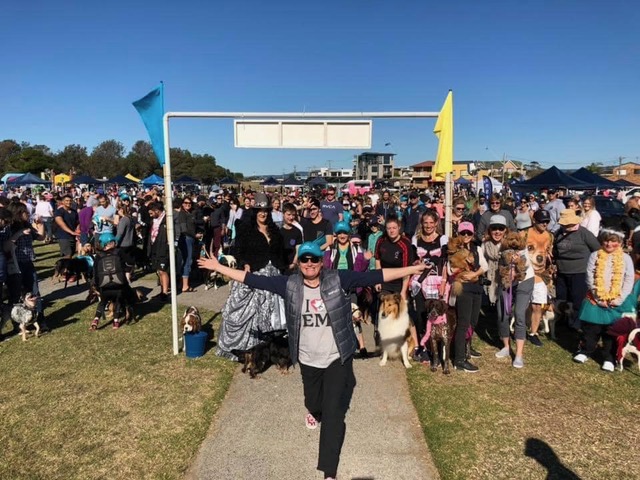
[108, 159]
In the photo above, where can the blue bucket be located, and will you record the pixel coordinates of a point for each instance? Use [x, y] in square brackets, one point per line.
[195, 344]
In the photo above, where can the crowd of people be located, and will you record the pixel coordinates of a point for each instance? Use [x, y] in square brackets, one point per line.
[380, 229]
[526, 254]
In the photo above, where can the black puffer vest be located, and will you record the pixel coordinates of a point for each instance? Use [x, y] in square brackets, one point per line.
[338, 307]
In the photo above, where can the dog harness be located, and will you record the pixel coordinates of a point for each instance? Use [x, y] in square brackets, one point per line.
[439, 320]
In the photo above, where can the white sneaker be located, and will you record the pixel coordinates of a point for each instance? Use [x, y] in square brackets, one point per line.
[503, 353]
[580, 358]
[607, 367]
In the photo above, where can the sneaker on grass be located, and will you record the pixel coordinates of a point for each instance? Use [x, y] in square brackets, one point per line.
[466, 366]
[534, 339]
[518, 362]
[607, 366]
[503, 353]
[94, 324]
[580, 358]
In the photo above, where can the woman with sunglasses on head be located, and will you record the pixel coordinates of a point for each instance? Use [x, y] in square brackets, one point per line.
[457, 215]
[249, 312]
[495, 208]
[468, 302]
[185, 233]
[321, 337]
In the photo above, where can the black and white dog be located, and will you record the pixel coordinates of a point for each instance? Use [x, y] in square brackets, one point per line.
[213, 278]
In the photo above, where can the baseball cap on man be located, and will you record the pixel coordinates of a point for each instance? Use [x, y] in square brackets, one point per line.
[466, 227]
[542, 216]
[309, 249]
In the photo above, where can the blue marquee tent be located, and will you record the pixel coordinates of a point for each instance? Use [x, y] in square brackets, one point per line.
[152, 179]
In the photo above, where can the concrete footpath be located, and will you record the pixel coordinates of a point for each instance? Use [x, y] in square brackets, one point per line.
[259, 431]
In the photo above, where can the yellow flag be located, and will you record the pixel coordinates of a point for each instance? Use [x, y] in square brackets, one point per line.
[444, 132]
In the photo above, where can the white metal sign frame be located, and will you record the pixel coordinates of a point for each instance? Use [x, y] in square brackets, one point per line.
[246, 116]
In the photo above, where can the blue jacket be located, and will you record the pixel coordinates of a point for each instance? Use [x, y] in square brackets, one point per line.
[333, 285]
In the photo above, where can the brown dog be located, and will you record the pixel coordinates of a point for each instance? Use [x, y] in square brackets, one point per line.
[460, 259]
[441, 325]
[512, 264]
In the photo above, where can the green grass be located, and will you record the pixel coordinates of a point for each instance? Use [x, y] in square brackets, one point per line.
[550, 418]
[105, 404]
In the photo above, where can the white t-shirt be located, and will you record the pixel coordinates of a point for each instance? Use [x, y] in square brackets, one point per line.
[317, 344]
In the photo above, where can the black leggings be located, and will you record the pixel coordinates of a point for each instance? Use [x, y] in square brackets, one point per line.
[468, 310]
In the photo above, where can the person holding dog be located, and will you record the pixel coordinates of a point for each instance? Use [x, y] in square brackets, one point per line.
[468, 302]
[321, 336]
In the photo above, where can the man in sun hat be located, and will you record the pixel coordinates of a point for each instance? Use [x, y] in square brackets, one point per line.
[321, 337]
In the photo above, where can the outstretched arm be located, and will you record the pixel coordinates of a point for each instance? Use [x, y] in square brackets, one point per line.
[214, 264]
[390, 274]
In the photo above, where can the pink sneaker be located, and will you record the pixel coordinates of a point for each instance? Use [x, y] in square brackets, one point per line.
[310, 421]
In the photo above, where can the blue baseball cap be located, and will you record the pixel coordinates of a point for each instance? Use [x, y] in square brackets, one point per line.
[106, 238]
[311, 249]
[341, 227]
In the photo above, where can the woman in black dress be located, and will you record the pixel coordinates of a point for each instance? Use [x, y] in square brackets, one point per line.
[248, 313]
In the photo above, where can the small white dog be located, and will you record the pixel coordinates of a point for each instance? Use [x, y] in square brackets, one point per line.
[630, 348]
[393, 327]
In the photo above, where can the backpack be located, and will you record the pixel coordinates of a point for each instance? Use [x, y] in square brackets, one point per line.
[109, 273]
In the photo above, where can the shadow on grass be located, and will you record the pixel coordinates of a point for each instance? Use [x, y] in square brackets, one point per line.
[541, 452]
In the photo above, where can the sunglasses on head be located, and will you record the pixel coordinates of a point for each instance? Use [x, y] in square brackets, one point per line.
[466, 233]
[307, 259]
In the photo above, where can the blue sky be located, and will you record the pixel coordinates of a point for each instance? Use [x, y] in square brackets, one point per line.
[549, 81]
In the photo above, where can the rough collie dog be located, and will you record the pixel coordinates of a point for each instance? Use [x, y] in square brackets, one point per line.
[24, 314]
[213, 279]
[191, 320]
[441, 325]
[393, 326]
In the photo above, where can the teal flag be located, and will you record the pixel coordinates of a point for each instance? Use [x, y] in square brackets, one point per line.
[151, 110]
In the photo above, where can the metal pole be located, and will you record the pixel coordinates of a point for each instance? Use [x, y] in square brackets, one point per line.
[168, 207]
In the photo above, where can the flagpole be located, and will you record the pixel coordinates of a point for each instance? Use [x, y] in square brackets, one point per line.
[448, 204]
[168, 207]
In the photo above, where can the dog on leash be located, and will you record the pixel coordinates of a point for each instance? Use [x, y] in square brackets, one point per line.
[441, 325]
[213, 278]
[191, 321]
[24, 314]
[68, 268]
[365, 303]
[393, 327]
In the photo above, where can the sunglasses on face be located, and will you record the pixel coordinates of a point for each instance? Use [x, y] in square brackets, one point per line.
[460, 209]
[495, 203]
[466, 233]
[499, 229]
[546, 222]
[309, 259]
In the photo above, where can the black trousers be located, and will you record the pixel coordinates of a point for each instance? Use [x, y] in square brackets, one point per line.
[327, 395]
[467, 310]
[572, 287]
[591, 333]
